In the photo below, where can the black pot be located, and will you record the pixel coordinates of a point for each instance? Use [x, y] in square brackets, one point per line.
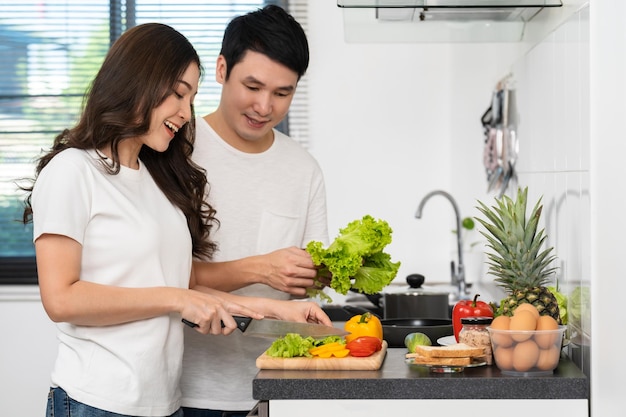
[417, 304]
[395, 330]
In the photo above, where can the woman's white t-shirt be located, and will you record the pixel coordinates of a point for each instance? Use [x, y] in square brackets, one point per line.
[131, 236]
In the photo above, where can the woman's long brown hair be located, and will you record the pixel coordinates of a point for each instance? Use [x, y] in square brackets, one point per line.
[139, 72]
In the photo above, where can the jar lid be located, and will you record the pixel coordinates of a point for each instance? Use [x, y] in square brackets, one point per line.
[476, 320]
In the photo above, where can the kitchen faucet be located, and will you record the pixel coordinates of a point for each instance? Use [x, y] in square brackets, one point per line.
[457, 277]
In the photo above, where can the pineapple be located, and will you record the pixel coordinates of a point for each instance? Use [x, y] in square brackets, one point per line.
[519, 266]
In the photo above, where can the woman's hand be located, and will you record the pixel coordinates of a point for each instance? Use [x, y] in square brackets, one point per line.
[210, 313]
[300, 311]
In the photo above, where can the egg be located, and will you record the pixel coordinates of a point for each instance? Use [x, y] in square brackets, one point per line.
[522, 322]
[501, 323]
[504, 357]
[548, 324]
[527, 307]
[548, 358]
[525, 356]
[501, 338]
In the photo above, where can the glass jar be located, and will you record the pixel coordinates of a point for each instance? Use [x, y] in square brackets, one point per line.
[474, 333]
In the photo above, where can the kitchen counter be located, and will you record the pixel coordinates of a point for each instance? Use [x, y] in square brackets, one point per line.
[567, 388]
[397, 380]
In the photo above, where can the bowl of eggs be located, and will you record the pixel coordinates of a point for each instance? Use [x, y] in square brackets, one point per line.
[526, 344]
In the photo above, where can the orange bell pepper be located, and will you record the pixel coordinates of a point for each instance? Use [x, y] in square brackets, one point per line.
[365, 324]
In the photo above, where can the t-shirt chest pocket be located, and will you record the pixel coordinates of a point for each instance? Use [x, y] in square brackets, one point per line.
[279, 231]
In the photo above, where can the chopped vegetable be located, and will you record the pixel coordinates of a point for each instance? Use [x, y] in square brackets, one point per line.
[364, 346]
[337, 349]
[355, 259]
[294, 345]
[365, 324]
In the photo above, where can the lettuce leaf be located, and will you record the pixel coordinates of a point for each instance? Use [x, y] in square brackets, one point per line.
[290, 346]
[355, 259]
[293, 345]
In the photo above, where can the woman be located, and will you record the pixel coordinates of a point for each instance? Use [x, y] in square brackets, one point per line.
[118, 213]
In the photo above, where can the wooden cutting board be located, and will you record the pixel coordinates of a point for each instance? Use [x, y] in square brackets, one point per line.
[349, 363]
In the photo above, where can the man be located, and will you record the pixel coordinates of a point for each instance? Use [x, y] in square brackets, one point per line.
[269, 195]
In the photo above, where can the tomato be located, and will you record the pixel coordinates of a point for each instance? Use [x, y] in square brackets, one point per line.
[364, 346]
[365, 324]
[468, 308]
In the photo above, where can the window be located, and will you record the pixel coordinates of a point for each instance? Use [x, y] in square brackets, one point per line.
[51, 50]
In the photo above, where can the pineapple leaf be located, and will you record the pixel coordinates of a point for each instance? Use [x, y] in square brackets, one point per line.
[516, 259]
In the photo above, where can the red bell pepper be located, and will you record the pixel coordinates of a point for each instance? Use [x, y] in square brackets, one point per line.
[468, 308]
[364, 346]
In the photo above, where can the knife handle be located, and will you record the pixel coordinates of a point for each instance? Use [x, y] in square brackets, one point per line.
[242, 322]
[190, 324]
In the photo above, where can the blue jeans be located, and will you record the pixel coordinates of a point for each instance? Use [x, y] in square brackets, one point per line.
[61, 405]
[197, 412]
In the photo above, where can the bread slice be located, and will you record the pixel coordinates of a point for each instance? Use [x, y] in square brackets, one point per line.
[424, 360]
[458, 350]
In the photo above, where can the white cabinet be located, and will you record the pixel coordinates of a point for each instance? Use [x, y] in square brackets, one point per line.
[28, 349]
[439, 408]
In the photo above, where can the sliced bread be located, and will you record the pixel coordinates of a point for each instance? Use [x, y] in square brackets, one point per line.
[458, 350]
[424, 360]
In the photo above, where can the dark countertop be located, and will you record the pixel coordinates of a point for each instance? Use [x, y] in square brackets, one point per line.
[397, 380]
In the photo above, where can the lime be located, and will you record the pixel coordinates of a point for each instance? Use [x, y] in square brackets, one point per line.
[416, 339]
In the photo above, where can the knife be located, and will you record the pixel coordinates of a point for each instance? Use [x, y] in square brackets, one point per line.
[270, 328]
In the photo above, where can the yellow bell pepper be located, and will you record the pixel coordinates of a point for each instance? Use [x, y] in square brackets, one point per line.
[328, 347]
[341, 353]
[365, 324]
[335, 349]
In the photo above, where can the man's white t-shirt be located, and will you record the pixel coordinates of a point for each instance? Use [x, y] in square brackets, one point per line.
[131, 236]
[264, 202]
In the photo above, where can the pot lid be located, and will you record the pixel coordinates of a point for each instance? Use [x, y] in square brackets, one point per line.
[413, 286]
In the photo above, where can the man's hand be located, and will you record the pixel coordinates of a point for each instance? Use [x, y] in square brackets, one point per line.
[290, 270]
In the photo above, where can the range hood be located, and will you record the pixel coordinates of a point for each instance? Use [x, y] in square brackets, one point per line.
[439, 20]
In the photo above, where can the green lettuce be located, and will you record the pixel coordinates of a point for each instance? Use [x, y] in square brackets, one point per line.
[290, 346]
[580, 308]
[293, 345]
[355, 259]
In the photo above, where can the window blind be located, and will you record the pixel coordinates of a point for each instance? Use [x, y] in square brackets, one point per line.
[52, 49]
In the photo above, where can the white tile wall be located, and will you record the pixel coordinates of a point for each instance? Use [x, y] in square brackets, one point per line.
[553, 92]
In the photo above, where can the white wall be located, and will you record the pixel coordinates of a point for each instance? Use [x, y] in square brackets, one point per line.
[608, 227]
[553, 97]
[390, 123]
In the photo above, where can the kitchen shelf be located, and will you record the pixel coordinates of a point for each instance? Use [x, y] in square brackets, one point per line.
[439, 20]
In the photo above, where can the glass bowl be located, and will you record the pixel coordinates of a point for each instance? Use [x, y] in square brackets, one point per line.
[526, 352]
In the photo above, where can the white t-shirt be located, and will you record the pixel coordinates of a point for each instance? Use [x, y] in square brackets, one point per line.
[131, 236]
[264, 202]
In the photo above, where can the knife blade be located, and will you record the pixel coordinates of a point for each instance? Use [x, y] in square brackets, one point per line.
[270, 328]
